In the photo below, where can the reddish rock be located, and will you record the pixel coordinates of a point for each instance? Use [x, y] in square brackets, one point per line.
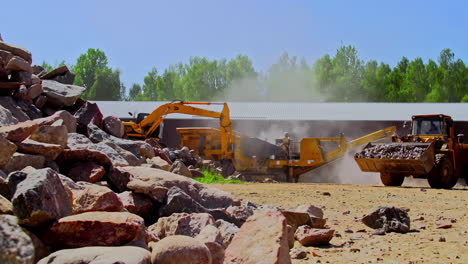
[309, 236]
[34, 91]
[89, 113]
[160, 163]
[86, 171]
[55, 72]
[113, 125]
[118, 179]
[136, 203]
[261, 239]
[94, 255]
[91, 197]
[296, 219]
[41, 198]
[181, 224]
[20, 161]
[17, 50]
[298, 253]
[95, 229]
[312, 210]
[241, 213]
[68, 120]
[7, 149]
[29, 146]
[61, 94]
[71, 156]
[180, 249]
[18, 64]
[52, 135]
[20, 131]
[149, 178]
[443, 224]
[40, 101]
[211, 236]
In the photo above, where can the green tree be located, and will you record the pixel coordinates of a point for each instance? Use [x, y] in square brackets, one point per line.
[135, 93]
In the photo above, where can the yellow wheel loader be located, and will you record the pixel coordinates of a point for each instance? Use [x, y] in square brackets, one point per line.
[431, 150]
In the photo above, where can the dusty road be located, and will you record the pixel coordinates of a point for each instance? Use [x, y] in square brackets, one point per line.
[343, 205]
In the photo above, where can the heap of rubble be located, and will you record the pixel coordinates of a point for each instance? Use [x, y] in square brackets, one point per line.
[73, 190]
[392, 151]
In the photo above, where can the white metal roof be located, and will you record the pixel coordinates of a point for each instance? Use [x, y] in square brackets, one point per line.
[303, 111]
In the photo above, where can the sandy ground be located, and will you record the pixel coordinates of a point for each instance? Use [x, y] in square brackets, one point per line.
[346, 204]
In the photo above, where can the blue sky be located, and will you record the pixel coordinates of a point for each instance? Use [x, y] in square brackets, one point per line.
[138, 35]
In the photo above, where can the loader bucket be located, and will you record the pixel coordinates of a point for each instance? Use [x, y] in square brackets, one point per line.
[392, 158]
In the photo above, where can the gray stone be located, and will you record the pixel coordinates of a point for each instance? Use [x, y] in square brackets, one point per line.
[9, 103]
[99, 255]
[178, 167]
[60, 94]
[180, 202]
[227, 230]
[389, 219]
[6, 118]
[16, 247]
[41, 198]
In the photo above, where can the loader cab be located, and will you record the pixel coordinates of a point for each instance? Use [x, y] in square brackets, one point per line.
[432, 125]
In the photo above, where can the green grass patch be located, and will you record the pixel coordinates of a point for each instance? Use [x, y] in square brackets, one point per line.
[211, 177]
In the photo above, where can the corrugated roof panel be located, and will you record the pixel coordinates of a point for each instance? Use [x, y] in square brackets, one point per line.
[303, 111]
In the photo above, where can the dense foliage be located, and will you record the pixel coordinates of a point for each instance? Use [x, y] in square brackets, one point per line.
[343, 77]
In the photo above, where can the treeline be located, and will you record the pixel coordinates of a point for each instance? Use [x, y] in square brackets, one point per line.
[343, 77]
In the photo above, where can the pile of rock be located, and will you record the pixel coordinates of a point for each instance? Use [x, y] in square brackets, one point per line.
[73, 190]
[392, 151]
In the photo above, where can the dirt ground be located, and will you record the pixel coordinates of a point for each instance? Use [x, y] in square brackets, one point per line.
[344, 205]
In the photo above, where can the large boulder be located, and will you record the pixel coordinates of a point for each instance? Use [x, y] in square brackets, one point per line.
[180, 249]
[179, 202]
[78, 141]
[296, 219]
[6, 117]
[99, 255]
[16, 247]
[29, 109]
[90, 197]
[17, 50]
[51, 134]
[35, 90]
[29, 146]
[131, 159]
[181, 224]
[20, 131]
[113, 125]
[89, 113]
[309, 236]
[61, 94]
[95, 229]
[10, 103]
[86, 171]
[160, 163]
[20, 161]
[68, 120]
[152, 178]
[242, 212]
[315, 213]
[113, 154]
[263, 238]
[7, 149]
[137, 203]
[388, 219]
[41, 198]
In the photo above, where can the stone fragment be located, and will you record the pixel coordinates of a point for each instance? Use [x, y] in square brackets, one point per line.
[309, 236]
[261, 239]
[68, 119]
[99, 255]
[16, 246]
[180, 249]
[296, 219]
[17, 50]
[179, 202]
[71, 156]
[20, 131]
[10, 103]
[7, 149]
[91, 197]
[6, 118]
[298, 253]
[178, 167]
[52, 135]
[35, 90]
[89, 113]
[211, 236]
[29, 146]
[388, 218]
[181, 224]
[18, 64]
[136, 203]
[60, 94]
[160, 163]
[41, 198]
[113, 125]
[86, 171]
[95, 229]
[5, 206]
[227, 230]
[20, 161]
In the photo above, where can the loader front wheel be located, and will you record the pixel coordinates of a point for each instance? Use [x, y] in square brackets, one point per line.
[442, 175]
[392, 179]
